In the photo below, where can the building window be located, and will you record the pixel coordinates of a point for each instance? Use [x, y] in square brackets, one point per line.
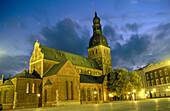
[147, 76]
[157, 81]
[33, 88]
[89, 72]
[167, 80]
[152, 82]
[165, 71]
[100, 97]
[72, 90]
[82, 94]
[93, 52]
[27, 89]
[156, 74]
[160, 72]
[151, 75]
[45, 93]
[6, 96]
[162, 80]
[148, 83]
[96, 51]
[67, 90]
[88, 94]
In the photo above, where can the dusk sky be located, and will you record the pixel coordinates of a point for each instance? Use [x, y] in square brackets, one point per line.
[138, 31]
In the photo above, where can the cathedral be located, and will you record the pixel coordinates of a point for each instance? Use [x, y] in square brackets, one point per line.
[60, 78]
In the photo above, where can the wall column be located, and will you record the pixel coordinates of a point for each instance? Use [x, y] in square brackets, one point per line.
[15, 100]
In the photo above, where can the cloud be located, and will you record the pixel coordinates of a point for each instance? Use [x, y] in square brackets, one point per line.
[67, 35]
[142, 49]
[12, 65]
[135, 46]
[130, 27]
[110, 33]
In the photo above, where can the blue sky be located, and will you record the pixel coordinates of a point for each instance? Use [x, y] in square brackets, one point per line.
[138, 31]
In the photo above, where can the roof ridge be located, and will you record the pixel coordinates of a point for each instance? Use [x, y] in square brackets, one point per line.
[65, 52]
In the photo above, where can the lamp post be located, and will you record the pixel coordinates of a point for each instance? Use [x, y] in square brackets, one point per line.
[167, 92]
[133, 95]
[128, 96]
[154, 90]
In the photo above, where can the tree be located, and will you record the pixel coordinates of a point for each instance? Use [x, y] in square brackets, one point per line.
[120, 82]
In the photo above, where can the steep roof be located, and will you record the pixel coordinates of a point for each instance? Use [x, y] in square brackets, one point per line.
[91, 79]
[61, 56]
[8, 82]
[55, 69]
[25, 74]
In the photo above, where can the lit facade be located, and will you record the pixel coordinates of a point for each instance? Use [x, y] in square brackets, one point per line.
[60, 78]
[155, 79]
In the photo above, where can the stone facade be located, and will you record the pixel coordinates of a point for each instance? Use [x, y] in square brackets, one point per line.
[61, 78]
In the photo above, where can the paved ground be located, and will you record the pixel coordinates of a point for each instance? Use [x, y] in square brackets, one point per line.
[162, 104]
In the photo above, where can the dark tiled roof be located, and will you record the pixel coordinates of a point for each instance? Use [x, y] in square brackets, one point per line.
[55, 69]
[61, 56]
[25, 74]
[91, 79]
[8, 82]
[48, 82]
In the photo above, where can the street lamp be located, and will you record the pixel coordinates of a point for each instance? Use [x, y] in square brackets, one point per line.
[154, 90]
[134, 94]
[38, 95]
[95, 92]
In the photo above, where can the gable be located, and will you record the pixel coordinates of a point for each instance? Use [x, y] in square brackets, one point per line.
[68, 69]
[54, 69]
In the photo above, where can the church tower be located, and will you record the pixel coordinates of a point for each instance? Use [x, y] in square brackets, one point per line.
[98, 47]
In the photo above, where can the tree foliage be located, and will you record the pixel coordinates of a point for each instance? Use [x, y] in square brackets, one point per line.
[120, 82]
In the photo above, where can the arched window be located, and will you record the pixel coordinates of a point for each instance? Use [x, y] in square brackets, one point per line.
[33, 87]
[82, 94]
[88, 95]
[45, 93]
[6, 96]
[93, 52]
[100, 97]
[72, 95]
[27, 88]
[67, 90]
[96, 51]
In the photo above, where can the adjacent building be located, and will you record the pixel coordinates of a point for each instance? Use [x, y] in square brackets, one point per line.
[60, 78]
[155, 79]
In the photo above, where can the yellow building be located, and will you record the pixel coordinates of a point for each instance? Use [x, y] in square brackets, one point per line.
[155, 79]
[60, 78]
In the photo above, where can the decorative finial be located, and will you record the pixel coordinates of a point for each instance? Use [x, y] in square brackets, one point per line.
[9, 76]
[37, 40]
[25, 65]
